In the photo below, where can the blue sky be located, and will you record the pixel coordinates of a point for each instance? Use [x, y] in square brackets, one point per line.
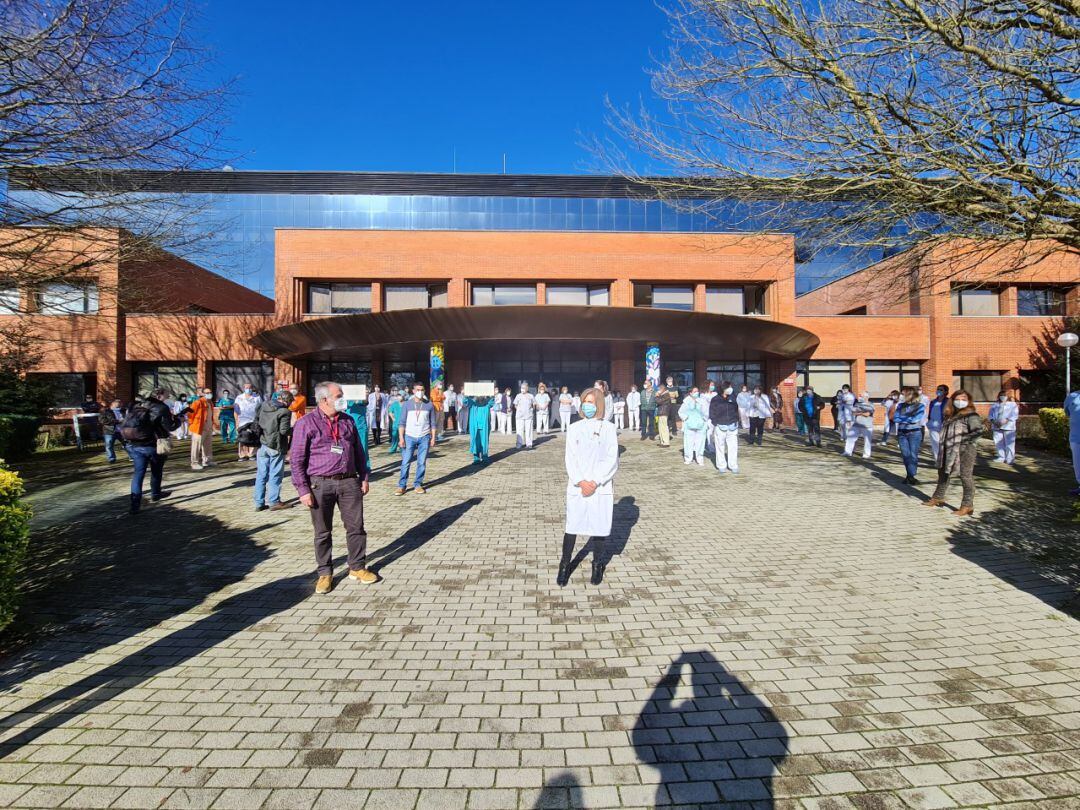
[396, 86]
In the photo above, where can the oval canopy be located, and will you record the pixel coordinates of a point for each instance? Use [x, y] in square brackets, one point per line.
[368, 335]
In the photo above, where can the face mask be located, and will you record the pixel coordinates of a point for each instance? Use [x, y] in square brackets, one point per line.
[960, 404]
[247, 391]
[341, 404]
[693, 393]
[809, 393]
[1003, 399]
[208, 396]
[418, 394]
[728, 390]
[589, 410]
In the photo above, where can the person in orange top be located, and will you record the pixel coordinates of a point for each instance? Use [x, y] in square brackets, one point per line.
[437, 400]
[201, 425]
[298, 406]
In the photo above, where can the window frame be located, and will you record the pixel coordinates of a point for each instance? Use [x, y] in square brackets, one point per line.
[956, 304]
[330, 287]
[1058, 309]
[88, 291]
[652, 288]
[10, 300]
[960, 377]
[474, 287]
[590, 290]
[804, 374]
[431, 289]
[903, 369]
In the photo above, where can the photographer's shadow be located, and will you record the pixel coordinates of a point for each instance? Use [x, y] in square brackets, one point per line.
[721, 745]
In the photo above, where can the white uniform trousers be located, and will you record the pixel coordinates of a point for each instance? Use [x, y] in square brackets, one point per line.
[635, 418]
[525, 430]
[935, 440]
[727, 449]
[854, 433]
[693, 444]
[564, 419]
[542, 419]
[504, 422]
[1005, 442]
[620, 421]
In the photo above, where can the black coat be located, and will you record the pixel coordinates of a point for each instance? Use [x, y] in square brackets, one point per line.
[723, 411]
[819, 403]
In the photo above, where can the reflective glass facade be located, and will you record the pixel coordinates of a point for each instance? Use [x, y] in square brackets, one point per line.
[241, 245]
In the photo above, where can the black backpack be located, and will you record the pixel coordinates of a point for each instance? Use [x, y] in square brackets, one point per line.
[138, 425]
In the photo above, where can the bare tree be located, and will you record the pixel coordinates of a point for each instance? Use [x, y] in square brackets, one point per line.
[94, 86]
[875, 123]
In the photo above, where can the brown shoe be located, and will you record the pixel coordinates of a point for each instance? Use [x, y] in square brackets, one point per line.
[325, 584]
[399, 491]
[364, 576]
[934, 502]
[277, 507]
[964, 511]
[419, 490]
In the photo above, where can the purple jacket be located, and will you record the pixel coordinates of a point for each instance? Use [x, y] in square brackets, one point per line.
[313, 436]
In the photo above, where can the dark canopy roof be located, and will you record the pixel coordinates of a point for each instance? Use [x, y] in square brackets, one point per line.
[366, 336]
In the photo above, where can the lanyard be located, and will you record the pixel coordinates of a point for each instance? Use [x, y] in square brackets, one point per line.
[335, 429]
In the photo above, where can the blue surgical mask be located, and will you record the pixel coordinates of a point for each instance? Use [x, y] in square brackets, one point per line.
[589, 410]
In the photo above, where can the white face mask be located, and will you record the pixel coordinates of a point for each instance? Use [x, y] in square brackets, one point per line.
[341, 404]
[960, 404]
[728, 391]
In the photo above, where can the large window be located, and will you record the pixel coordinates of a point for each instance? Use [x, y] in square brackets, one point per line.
[9, 300]
[595, 295]
[975, 302]
[826, 376]
[746, 299]
[232, 376]
[414, 296]
[179, 378]
[883, 376]
[657, 296]
[68, 390]
[404, 374]
[736, 372]
[501, 295]
[1040, 301]
[341, 372]
[982, 385]
[67, 299]
[339, 299]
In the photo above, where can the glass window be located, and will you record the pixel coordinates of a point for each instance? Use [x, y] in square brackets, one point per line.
[596, 295]
[68, 390]
[414, 296]
[179, 378]
[1040, 301]
[883, 376]
[975, 302]
[754, 299]
[724, 300]
[9, 300]
[501, 295]
[734, 371]
[662, 297]
[826, 376]
[68, 299]
[982, 385]
[232, 376]
[342, 372]
[339, 299]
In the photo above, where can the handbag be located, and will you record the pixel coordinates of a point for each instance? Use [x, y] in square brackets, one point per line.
[164, 446]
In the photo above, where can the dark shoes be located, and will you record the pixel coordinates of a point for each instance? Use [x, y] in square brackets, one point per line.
[597, 573]
[563, 576]
[163, 494]
[136, 503]
[277, 507]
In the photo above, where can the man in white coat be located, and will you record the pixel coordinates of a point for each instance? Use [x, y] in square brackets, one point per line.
[633, 409]
[1003, 416]
[592, 459]
[861, 426]
[524, 406]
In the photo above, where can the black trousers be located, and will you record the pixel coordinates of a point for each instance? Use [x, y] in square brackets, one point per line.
[376, 428]
[757, 428]
[813, 428]
[345, 494]
[648, 424]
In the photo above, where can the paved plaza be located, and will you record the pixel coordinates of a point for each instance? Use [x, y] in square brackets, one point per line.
[806, 634]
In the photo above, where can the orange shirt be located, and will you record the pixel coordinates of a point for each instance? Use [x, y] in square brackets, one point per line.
[201, 414]
[437, 398]
[298, 406]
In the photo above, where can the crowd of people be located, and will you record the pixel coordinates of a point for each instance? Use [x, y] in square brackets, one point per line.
[329, 446]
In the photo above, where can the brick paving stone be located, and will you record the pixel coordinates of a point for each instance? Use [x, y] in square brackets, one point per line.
[803, 635]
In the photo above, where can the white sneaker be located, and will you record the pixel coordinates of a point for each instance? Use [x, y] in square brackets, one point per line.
[686, 461]
[701, 462]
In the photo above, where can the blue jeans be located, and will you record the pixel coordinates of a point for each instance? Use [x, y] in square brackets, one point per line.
[269, 471]
[110, 444]
[144, 457]
[910, 442]
[228, 431]
[419, 445]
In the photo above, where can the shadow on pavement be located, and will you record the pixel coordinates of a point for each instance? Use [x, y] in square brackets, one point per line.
[624, 517]
[420, 534]
[722, 745]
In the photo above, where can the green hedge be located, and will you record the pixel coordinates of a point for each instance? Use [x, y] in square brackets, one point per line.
[18, 435]
[14, 538]
[1056, 426]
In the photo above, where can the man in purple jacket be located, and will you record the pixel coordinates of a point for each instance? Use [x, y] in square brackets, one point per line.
[329, 468]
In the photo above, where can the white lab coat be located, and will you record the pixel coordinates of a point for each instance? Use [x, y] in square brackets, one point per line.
[592, 454]
[1003, 418]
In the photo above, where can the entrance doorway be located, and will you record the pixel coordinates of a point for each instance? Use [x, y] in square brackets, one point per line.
[575, 365]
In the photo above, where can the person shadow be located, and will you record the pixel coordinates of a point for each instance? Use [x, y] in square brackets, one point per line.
[722, 745]
[420, 534]
[624, 517]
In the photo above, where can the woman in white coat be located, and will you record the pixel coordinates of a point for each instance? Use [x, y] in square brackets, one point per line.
[1003, 417]
[592, 459]
[694, 414]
